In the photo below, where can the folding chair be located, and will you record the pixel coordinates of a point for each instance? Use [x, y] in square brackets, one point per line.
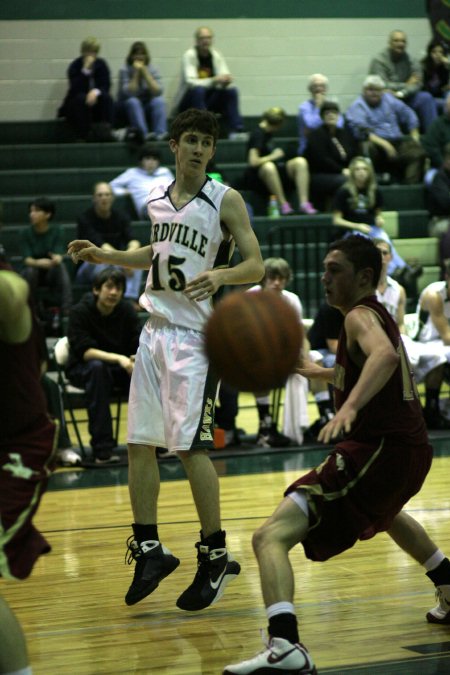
[74, 398]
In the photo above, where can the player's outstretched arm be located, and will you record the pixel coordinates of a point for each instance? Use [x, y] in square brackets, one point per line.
[82, 249]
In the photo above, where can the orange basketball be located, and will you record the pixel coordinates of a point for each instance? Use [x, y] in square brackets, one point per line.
[253, 340]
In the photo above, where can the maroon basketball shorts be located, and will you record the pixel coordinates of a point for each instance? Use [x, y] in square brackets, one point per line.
[25, 467]
[358, 490]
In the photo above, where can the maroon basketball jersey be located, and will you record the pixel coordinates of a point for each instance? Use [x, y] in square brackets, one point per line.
[395, 411]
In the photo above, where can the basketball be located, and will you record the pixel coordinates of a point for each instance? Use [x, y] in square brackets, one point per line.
[253, 340]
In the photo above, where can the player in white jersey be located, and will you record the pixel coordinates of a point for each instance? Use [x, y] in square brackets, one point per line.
[195, 222]
[427, 360]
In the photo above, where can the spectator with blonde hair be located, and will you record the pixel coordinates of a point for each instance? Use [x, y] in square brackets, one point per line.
[88, 105]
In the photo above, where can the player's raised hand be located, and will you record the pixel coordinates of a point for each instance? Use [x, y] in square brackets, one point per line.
[82, 249]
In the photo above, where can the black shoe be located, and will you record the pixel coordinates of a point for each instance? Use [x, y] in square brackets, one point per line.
[435, 421]
[270, 437]
[154, 563]
[216, 568]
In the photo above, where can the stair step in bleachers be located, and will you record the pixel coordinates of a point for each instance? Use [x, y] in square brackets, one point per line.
[424, 250]
[57, 131]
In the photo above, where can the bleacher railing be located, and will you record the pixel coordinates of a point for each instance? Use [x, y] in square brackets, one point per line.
[304, 246]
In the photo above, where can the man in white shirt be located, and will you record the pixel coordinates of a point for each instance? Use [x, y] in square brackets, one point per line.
[139, 180]
[206, 82]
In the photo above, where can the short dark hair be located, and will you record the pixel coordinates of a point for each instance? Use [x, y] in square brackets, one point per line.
[43, 204]
[327, 106]
[109, 273]
[149, 151]
[361, 252]
[194, 119]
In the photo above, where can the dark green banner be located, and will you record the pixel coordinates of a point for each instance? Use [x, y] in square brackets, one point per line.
[210, 9]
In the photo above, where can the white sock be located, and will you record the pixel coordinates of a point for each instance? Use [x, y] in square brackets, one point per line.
[280, 608]
[434, 561]
[23, 671]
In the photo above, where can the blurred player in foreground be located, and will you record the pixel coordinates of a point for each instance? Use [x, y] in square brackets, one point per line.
[27, 439]
[194, 223]
[378, 464]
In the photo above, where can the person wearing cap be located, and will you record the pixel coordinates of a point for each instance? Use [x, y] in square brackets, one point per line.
[139, 180]
[377, 119]
[309, 111]
[270, 172]
[403, 78]
[329, 151]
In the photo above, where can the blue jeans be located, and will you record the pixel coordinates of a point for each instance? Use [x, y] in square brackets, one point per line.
[424, 105]
[224, 101]
[151, 112]
[87, 272]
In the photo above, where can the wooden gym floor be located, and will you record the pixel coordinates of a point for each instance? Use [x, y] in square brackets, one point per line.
[362, 611]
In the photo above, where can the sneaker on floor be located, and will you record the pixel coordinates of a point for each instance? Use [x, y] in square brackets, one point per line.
[286, 209]
[216, 568]
[68, 457]
[308, 209]
[270, 437]
[154, 562]
[107, 458]
[280, 656]
[435, 421]
[441, 613]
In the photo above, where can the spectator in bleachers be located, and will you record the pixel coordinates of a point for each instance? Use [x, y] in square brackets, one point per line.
[323, 339]
[437, 137]
[43, 253]
[309, 117]
[103, 334]
[140, 93]
[435, 72]
[329, 152]
[270, 172]
[88, 106]
[108, 228]
[438, 197]
[139, 180]
[377, 118]
[278, 274]
[427, 360]
[434, 315]
[206, 82]
[403, 78]
[358, 209]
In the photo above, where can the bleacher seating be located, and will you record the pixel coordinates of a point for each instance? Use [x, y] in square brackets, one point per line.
[40, 158]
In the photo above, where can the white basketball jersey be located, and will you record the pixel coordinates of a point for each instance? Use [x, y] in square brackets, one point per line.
[391, 297]
[185, 242]
[428, 330]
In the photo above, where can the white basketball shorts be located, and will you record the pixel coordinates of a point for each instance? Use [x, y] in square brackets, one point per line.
[172, 391]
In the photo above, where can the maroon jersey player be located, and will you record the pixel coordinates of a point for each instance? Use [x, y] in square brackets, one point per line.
[379, 462]
[27, 438]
